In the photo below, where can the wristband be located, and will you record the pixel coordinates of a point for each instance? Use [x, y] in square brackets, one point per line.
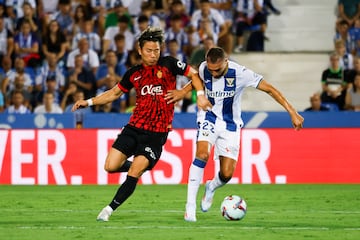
[200, 93]
[90, 102]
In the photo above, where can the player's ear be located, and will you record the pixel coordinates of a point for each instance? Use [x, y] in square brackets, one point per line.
[139, 49]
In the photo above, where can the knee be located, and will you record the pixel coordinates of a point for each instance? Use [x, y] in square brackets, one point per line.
[135, 173]
[203, 156]
[108, 168]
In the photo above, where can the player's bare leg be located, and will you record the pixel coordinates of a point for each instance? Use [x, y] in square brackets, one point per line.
[116, 161]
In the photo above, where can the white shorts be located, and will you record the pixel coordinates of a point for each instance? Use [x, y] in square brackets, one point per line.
[225, 142]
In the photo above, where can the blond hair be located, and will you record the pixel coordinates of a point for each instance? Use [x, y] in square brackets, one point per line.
[339, 43]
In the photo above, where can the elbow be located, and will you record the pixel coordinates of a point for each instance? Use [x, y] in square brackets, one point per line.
[270, 93]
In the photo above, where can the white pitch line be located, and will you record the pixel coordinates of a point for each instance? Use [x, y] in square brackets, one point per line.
[172, 211]
[89, 210]
[102, 225]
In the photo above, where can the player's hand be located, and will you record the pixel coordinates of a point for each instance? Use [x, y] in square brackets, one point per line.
[175, 95]
[297, 121]
[79, 104]
[203, 103]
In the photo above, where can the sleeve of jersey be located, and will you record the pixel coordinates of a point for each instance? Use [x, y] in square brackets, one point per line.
[187, 70]
[218, 17]
[252, 79]
[125, 84]
[122, 88]
[179, 67]
[201, 70]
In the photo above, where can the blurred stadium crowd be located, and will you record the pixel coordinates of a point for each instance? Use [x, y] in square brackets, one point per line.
[54, 52]
[340, 82]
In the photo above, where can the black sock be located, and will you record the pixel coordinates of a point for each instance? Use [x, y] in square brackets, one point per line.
[124, 191]
[125, 167]
[224, 179]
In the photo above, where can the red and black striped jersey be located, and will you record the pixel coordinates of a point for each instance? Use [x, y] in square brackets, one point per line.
[151, 83]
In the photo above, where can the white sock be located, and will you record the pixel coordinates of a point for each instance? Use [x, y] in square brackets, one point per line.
[216, 183]
[196, 174]
[109, 209]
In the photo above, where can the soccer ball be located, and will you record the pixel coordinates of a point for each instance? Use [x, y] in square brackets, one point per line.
[233, 208]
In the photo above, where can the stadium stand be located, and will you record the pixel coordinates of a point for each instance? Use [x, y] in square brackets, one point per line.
[297, 75]
[295, 55]
[303, 26]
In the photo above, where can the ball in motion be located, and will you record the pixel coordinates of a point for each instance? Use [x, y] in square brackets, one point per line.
[233, 208]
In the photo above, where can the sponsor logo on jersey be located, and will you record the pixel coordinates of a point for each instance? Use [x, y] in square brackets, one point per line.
[220, 94]
[229, 82]
[151, 90]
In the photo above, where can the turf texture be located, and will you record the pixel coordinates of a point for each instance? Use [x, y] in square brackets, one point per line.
[275, 212]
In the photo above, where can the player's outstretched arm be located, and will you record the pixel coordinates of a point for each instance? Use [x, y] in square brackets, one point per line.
[296, 119]
[108, 96]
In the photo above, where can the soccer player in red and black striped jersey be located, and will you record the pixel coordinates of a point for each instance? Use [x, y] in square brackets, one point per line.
[146, 133]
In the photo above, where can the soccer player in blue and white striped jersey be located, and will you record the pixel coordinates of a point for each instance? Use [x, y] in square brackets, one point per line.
[224, 82]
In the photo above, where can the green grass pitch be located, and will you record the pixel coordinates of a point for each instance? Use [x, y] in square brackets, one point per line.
[275, 212]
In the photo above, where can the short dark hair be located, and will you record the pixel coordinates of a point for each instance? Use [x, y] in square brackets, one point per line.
[119, 37]
[64, 2]
[176, 17]
[344, 22]
[146, 6]
[215, 54]
[118, 3]
[26, 3]
[110, 51]
[49, 93]
[175, 2]
[142, 18]
[173, 40]
[153, 34]
[123, 19]
[17, 91]
[25, 21]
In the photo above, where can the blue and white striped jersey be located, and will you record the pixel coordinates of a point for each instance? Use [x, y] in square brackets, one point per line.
[247, 7]
[225, 94]
[227, 14]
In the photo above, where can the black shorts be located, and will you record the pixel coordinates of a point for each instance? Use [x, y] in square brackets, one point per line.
[133, 141]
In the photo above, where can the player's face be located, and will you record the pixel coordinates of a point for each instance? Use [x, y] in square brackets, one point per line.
[218, 69]
[315, 102]
[334, 62]
[150, 53]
